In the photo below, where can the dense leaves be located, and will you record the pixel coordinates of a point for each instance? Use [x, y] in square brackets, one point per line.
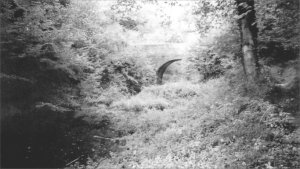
[78, 85]
[38, 89]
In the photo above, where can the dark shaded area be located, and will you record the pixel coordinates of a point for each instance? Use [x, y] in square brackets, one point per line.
[79, 44]
[127, 69]
[286, 96]
[161, 70]
[247, 7]
[14, 8]
[129, 23]
[37, 124]
[64, 3]
[14, 88]
[212, 65]
[275, 53]
[40, 94]
[48, 136]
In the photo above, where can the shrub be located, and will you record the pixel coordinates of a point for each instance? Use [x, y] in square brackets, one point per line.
[211, 65]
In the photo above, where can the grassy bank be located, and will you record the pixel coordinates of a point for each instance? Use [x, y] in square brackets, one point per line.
[208, 125]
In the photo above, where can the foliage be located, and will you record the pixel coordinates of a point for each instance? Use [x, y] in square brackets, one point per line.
[214, 129]
[134, 74]
[77, 86]
[39, 92]
[214, 14]
[278, 21]
[212, 65]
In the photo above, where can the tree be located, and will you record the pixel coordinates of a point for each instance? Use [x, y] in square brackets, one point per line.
[248, 33]
[221, 15]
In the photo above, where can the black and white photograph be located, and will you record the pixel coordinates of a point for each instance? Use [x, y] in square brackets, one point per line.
[150, 84]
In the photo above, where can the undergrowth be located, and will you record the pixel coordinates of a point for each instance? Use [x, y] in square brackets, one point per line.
[208, 125]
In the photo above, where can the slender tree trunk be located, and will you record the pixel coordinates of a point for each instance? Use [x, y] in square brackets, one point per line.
[248, 29]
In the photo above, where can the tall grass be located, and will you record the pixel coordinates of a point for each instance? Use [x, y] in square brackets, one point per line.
[208, 125]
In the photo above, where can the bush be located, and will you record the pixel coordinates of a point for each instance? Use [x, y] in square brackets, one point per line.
[212, 65]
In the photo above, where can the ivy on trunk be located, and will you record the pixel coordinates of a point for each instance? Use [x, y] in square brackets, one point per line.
[248, 31]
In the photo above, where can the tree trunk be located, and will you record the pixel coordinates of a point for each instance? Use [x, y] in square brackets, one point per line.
[248, 29]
